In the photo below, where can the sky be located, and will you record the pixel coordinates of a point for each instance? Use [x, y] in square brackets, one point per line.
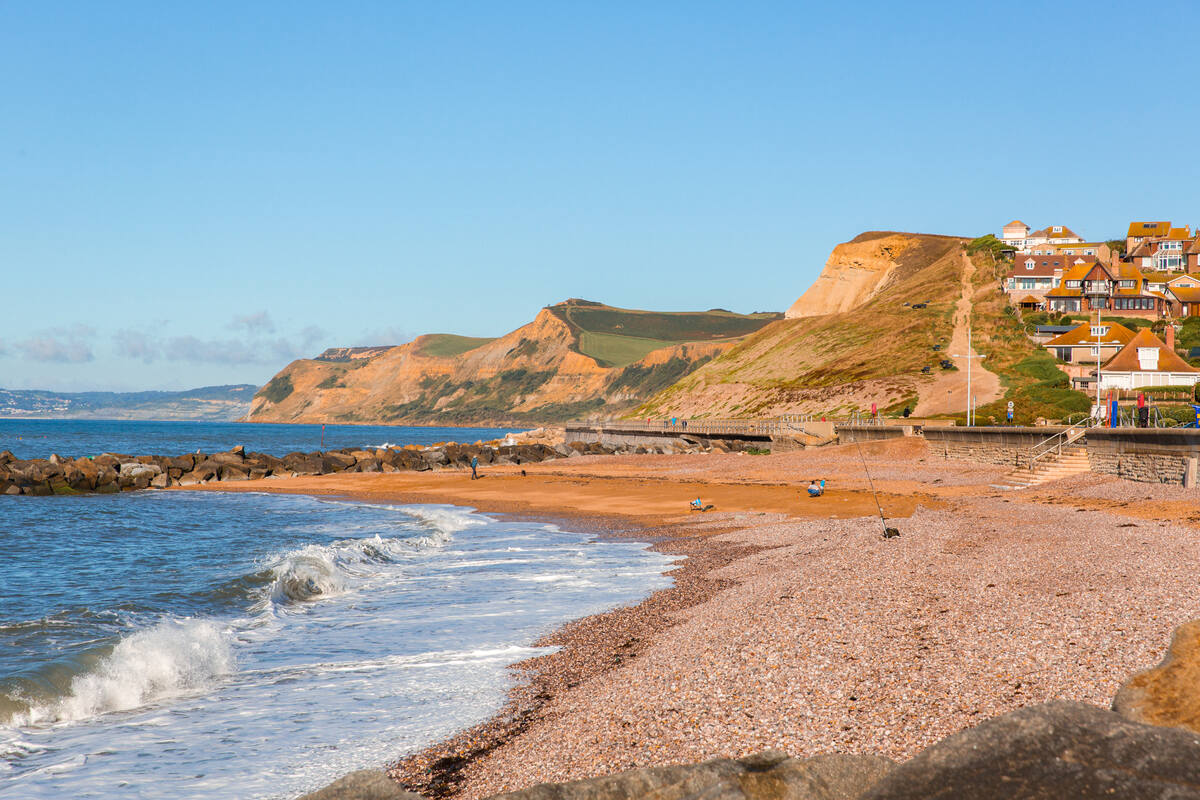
[196, 194]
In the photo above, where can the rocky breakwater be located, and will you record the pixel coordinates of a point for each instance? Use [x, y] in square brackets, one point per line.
[114, 472]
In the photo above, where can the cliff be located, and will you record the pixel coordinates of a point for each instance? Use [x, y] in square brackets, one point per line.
[851, 340]
[573, 360]
[855, 272]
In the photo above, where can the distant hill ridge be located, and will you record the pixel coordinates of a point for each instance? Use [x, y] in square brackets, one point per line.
[576, 358]
[207, 403]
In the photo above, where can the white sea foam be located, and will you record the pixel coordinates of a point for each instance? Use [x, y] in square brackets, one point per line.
[172, 658]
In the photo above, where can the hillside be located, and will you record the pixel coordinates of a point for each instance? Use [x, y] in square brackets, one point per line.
[209, 403]
[853, 339]
[573, 360]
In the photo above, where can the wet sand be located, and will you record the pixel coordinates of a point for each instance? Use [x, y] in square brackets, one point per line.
[794, 625]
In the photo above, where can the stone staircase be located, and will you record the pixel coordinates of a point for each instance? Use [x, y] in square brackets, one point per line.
[1072, 461]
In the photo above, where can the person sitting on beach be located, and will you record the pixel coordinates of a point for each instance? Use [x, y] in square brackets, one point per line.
[816, 488]
[697, 504]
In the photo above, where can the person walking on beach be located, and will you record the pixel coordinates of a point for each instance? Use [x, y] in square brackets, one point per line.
[474, 467]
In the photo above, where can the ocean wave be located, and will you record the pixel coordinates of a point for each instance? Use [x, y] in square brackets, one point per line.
[316, 572]
[171, 658]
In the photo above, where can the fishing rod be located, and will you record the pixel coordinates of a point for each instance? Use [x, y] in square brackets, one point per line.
[888, 533]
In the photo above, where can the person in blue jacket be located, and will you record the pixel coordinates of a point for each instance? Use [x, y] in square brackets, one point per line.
[816, 488]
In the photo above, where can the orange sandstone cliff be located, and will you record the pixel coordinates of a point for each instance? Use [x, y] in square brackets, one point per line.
[549, 370]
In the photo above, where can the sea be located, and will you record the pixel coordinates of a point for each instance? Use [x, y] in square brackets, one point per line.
[208, 645]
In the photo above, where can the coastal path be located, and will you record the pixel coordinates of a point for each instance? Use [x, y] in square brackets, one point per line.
[947, 392]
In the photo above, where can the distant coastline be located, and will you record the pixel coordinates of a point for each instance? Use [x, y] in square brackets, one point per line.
[227, 403]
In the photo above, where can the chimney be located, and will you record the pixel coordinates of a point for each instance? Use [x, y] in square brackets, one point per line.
[1170, 337]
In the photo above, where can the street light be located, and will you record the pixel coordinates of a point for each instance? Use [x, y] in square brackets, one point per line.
[968, 356]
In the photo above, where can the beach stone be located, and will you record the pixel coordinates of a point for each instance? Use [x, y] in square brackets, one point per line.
[770, 775]
[7, 457]
[1049, 751]
[161, 481]
[1169, 693]
[366, 784]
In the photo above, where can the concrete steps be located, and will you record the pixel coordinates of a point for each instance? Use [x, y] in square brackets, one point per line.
[1073, 461]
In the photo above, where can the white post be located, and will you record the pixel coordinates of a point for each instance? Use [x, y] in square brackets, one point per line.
[970, 410]
[968, 356]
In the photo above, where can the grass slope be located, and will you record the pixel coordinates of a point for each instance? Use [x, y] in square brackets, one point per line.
[617, 337]
[448, 345]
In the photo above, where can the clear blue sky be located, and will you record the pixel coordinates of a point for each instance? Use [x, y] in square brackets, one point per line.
[197, 193]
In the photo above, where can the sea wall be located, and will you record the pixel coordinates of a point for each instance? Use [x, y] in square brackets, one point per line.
[1150, 455]
[989, 444]
[848, 434]
[676, 436]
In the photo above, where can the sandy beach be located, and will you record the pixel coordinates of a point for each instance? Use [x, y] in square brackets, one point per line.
[794, 625]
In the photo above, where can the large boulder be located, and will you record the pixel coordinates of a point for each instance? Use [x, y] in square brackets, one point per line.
[366, 784]
[1051, 751]
[766, 776]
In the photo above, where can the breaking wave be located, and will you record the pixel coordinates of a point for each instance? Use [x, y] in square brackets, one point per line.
[172, 658]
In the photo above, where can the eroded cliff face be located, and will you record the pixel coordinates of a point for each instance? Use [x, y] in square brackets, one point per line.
[534, 373]
[854, 273]
[851, 340]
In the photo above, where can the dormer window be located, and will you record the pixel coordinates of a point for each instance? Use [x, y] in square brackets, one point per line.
[1029, 264]
[1099, 330]
[1147, 358]
[1057, 229]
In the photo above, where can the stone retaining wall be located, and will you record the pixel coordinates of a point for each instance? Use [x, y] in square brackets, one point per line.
[1150, 455]
[871, 433]
[1007, 446]
[614, 435]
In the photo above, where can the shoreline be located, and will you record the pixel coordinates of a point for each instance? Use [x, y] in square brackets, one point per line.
[805, 631]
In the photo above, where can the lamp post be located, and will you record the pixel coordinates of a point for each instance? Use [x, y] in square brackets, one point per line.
[968, 356]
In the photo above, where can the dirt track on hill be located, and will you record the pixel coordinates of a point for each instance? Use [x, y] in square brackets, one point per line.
[947, 393]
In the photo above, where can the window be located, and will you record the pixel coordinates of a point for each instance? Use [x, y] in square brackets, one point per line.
[1095, 351]
[1147, 358]
[1029, 264]
[1099, 330]
[1058, 228]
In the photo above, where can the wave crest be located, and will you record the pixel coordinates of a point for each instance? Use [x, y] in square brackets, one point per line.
[174, 657]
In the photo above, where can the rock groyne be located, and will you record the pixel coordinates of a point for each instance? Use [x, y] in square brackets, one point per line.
[110, 473]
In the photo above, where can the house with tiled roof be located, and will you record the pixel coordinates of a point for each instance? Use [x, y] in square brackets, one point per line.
[1184, 292]
[1120, 288]
[1145, 361]
[1014, 234]
[1031, 277]
[1082, 346]
[1053, 234]
[1163, 253]
[1141, 231]
[1191, 255]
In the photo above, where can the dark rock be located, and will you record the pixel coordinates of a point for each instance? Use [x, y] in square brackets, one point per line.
[766, 776]
[437, 456]
[7, 457]
[1054, 750]
[233, 472]
[337, 462]
[160, 481]
[366, 784]
[184, 463]
[368, 464]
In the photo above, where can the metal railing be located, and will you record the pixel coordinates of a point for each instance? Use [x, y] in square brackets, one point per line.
[1056, 443]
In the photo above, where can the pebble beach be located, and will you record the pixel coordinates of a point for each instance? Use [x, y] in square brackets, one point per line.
[802, 629]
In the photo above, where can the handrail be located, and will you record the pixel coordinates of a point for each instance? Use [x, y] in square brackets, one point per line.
[1065, 438]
